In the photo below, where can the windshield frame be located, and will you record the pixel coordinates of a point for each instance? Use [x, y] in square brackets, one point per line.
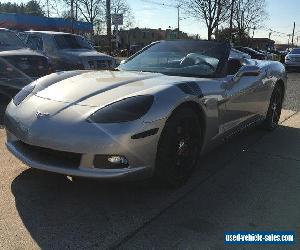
[220, 69]
[76, 37]
[295, 49]
[16, 38]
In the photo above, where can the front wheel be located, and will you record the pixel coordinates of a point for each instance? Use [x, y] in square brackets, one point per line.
[179, 148]
[275, 107]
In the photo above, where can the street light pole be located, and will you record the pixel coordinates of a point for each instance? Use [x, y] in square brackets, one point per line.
[231, 20]
[178, 20]
[293, 34]
[48, 11]
[254, 28]
[108, 24]
[72, 16]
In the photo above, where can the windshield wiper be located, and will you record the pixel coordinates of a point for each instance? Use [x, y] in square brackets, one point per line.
[185, 75]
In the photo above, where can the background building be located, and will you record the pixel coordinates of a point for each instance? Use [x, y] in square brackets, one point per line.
[262, 43]
[146, 36]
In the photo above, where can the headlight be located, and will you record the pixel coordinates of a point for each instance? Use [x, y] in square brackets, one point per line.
[26, 91]
[126, 110]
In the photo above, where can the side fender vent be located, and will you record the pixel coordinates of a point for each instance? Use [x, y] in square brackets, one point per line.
[190, 88]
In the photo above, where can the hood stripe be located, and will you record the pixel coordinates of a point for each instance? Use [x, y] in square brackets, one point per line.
[104, 90]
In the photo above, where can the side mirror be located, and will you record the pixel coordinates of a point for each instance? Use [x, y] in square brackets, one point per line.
[247, 71]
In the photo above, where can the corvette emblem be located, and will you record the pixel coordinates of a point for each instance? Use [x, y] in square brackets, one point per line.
[38, 114]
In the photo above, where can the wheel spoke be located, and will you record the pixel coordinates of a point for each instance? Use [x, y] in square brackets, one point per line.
[276, 115]
[186, 145]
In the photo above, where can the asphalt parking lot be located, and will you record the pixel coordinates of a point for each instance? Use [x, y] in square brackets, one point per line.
[249, 184]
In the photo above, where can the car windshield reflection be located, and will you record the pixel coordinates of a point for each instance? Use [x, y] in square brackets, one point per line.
[190, 58]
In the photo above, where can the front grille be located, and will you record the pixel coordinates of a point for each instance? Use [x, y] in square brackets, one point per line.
[32, 66]
[100, 64]
[49, 156]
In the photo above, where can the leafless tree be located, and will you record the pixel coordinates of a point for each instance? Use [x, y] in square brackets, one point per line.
[50, 7]
[249, 14]
[91, 10]
[94, 11]
[122, 7]
[213, 12]
[69, 7]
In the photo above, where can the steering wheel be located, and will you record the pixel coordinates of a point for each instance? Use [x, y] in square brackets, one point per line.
[191, 60]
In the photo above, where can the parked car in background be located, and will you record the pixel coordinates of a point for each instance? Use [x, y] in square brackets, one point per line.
[292, 59]
[68, 51]
[236, 53]
[278, 55]
[134, 48]
[253, 53]
[19, 65]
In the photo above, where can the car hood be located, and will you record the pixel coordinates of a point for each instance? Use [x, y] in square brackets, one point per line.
[98, 88]
[83, 53]
[294, 55]
[20, 52]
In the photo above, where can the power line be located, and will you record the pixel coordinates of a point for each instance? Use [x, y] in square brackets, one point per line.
[161, 4]
[178, 6]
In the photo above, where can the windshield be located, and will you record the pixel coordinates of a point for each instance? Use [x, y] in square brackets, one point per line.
[190, 58]
[295, 51]
[9, 40]
[72, 42]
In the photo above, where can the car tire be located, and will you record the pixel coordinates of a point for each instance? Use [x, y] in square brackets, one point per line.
[274, 110]
[178, 148]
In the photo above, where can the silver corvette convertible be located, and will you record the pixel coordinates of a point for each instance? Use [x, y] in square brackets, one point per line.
[154, 115]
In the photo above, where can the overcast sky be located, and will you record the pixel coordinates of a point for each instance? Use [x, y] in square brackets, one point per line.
[282, 14]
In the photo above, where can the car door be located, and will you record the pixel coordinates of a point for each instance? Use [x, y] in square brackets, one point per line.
[241, 95]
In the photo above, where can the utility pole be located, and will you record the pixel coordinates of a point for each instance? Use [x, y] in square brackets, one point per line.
[48, 11]
[254, 28]
[293, 34]
[72, 15]
[117, 31]
[270, 35]
[178, 20]
[231, 20]
[108, 24]
[76, 10]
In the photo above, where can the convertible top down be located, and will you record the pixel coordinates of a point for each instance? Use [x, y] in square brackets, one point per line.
[152, 116]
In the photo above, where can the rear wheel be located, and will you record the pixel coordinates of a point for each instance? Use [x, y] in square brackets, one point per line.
[179, 148]
[275, 107]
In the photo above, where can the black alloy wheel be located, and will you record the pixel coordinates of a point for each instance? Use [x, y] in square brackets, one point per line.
[275, 107]
[179, 148]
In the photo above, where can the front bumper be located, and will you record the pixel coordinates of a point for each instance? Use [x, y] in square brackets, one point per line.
[292, 64]
[82, 170]
[62, 139]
